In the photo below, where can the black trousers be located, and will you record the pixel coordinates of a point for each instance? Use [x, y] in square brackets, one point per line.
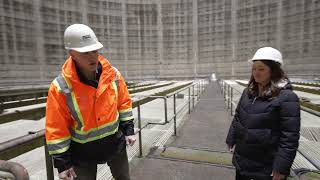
[118, 164]
[243, 177]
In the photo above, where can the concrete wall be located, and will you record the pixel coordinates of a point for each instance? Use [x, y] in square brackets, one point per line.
[160, 38]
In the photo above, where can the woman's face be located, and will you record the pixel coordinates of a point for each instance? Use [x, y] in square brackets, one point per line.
[261, 73]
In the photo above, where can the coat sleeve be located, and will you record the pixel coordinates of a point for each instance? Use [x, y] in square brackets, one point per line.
[231, 137]
[125, 109]
[289, 131]
[58, 120]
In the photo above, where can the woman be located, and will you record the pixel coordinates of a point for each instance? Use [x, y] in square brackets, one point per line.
[264, 133]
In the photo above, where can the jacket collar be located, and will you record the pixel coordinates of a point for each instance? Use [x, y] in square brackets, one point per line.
[266, 94]
[70, 72]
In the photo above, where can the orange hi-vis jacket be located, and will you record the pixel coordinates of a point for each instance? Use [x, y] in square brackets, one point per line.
[81, 113]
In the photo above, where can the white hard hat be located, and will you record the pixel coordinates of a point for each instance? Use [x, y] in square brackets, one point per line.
[268, 53]
[81, 38]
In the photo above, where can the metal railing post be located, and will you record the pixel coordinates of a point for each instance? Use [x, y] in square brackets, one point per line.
[189, 101]
[224, 90]
[200, 87]
[49, 165]
[139, 126]
[228, 96]
[1, 105]
[198, 91]
[231, 97]
[196, 86]
[175, 115]
[165, 110]
[193, 97]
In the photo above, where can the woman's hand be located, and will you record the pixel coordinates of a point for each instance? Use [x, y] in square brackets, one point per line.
[277, 176]
[231, 148]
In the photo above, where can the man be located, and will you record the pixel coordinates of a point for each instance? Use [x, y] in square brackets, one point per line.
[89, 111]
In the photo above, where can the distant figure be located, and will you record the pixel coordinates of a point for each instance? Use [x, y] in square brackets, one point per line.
[264, 134]
[89, 111]
[213, 77]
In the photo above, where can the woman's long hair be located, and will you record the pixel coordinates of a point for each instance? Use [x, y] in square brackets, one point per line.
[277, 75]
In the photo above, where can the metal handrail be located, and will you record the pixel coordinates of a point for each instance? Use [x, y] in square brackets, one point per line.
[39, 135]
[228, 91]
[166, 115]
[25, 140]
[12, 170]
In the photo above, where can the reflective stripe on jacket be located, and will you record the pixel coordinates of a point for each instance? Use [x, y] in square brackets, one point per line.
[82, 113]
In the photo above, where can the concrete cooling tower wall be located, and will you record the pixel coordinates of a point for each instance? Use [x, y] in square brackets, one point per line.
[159, 39]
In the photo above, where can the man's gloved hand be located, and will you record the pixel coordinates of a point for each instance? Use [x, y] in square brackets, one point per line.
[68, 174]
[130, 140]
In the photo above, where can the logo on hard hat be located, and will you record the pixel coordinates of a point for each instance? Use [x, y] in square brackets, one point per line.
[86, 37]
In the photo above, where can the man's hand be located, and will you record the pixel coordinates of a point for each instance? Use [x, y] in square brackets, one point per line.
[130, 140]
[68, 174]
[277, 176]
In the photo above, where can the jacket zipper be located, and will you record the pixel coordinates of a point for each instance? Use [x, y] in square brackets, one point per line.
[94, 106]
[254, 100]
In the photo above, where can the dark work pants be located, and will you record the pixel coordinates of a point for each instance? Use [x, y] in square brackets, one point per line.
[118, 164]
[243, 177]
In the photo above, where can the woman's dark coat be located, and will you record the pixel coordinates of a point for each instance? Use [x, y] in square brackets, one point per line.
[265, 131]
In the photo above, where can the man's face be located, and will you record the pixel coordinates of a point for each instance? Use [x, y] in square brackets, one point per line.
[87, 61]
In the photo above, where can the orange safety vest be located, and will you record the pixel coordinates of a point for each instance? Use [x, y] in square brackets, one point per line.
[81, 113]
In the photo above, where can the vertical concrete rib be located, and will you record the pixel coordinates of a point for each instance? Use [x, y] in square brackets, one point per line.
[14, 40]
[160, 38]
[140, 14]
[124, 36]
[279, 25]
[301, 29]
[5, 56]
[84, 11]
[40, 55]
[234, 35]
[195, 36]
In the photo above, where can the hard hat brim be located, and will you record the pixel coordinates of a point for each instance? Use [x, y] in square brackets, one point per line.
[250, 61]
[92, 47]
